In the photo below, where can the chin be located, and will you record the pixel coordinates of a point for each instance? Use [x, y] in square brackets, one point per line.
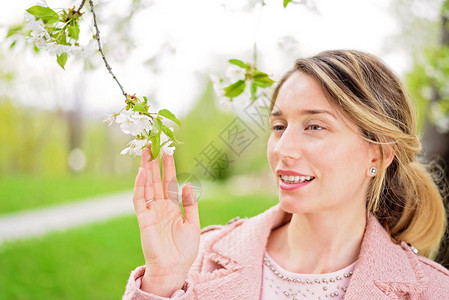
[295, 205]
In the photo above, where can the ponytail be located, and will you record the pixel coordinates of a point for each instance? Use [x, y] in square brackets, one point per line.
[411, 207]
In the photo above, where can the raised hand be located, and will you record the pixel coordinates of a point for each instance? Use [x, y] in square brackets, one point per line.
[169, 241]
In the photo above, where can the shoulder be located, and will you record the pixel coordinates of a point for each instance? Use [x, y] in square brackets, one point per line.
[434, 269]
[438, 278]
[429, 266]
[434, 275]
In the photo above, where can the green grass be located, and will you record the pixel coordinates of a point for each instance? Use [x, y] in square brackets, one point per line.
[94, 262]
[19, 193]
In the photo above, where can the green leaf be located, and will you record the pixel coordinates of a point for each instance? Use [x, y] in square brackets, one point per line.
[235, 89]
[262, 79]
[138, 107]
[62, 40]
[44, 13]
[145, 100]
[12, 45]
[239, 63]
[262, 84]
[14, 30]
[260, 74]
[62, 59]
[170, 134]
[155, 145]
[253, 91]
[157, 126]
[169, 115]
[286, 2]
[73, 32]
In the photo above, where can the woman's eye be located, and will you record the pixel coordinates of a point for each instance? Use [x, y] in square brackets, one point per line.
[314, 127]
[277, 127]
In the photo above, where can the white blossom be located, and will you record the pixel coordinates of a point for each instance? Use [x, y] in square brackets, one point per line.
[134, 124]
[37, 27]
[168, 148]
[235, 73]
[135, 147]
[39, 42]
[41, 38]
[89, 49]
[218, 84]
[125, 122]
[109, 119]
[56, 49]
[142, 122]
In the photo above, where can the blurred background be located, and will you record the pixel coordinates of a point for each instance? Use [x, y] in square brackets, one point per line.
[56, 152]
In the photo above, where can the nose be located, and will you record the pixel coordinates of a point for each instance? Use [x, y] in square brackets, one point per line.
[288, 146]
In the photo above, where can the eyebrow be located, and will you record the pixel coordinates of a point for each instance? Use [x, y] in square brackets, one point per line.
[278, 113]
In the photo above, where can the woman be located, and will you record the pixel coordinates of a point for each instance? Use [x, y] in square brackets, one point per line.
[353, 198]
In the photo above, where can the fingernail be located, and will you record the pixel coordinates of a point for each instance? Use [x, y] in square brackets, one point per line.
[189, 200]
[146, 156]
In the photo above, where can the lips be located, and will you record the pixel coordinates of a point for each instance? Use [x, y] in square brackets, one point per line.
[291, 173]
[296, 179]
[291, 180]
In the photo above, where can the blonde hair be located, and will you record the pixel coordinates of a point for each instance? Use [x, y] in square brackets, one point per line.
[403, 196]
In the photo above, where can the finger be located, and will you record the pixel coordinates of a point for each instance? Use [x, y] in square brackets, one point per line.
[157, 184]
[146, 164]
[139, 192]
[146, 156]
[170, 185]
[190, 205]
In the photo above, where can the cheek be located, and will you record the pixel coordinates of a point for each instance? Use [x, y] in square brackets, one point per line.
[270, 155]
[272, 159]
[342, 159]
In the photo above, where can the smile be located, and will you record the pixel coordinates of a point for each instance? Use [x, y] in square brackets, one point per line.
[296, 179]
[294, 182]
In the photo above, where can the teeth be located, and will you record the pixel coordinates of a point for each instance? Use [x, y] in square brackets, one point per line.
[296, 179]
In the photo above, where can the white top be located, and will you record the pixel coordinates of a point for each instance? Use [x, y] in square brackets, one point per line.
[278, 283]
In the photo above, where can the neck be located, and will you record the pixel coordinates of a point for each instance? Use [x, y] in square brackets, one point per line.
[320, 243]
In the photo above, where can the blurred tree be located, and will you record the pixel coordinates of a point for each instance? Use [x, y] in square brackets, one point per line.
[202, 126]
[428, 81]
[32, 141]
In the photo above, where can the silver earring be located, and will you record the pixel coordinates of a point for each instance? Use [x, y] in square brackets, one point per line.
[373, 171]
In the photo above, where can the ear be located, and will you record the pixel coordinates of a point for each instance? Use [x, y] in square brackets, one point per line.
[375, 153]
[389, 154]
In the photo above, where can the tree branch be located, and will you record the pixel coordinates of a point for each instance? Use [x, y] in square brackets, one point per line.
[81, 6]
[97, 35]
[257, 33]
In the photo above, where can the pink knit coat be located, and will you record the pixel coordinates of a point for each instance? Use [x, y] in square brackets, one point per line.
[229, 265]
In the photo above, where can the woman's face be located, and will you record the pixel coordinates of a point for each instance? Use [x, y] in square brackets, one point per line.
[311, 139]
